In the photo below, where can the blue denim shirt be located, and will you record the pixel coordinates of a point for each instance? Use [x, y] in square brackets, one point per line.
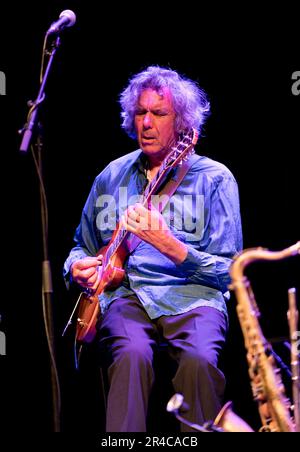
[203, 213]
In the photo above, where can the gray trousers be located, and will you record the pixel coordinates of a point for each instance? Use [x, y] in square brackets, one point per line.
[127, 339]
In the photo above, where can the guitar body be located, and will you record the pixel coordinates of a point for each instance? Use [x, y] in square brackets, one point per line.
[111, 277]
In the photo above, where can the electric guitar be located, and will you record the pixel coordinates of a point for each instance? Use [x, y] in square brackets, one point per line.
[117, 250]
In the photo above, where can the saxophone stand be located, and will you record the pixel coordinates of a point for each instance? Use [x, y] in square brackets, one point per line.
[33, 127]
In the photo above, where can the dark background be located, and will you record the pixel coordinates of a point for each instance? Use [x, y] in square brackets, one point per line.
[244, 59]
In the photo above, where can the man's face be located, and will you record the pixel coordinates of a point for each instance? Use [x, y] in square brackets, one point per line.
[154, 122]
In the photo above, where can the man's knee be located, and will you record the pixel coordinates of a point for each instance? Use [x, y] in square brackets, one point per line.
[195, 359]
[134, 352]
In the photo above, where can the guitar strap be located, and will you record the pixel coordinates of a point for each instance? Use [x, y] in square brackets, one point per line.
[169, 189]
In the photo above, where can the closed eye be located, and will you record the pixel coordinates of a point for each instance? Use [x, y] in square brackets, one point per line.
[140, 112]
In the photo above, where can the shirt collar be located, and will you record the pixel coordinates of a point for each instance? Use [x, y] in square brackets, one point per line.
[141, 163]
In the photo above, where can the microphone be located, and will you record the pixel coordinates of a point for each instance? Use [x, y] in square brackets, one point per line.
[67, 18]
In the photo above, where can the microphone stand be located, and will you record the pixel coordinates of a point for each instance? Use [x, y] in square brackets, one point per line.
[29, 128]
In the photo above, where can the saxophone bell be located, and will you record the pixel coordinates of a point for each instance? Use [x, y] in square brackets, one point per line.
[231, 422]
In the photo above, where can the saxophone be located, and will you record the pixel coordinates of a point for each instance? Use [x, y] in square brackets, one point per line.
[266, 384]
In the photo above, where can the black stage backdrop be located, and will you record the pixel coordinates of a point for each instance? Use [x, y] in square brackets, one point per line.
[244, 59]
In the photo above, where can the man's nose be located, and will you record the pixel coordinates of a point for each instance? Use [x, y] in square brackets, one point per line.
[147, 121]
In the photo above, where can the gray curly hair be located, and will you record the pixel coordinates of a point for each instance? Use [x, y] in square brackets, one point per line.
[189, 100]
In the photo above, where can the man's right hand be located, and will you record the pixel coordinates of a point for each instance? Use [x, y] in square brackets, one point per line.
[87, 272]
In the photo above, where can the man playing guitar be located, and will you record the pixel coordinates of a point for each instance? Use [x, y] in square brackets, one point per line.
[173, 281]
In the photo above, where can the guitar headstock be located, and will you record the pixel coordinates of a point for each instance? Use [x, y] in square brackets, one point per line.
[183, 149]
